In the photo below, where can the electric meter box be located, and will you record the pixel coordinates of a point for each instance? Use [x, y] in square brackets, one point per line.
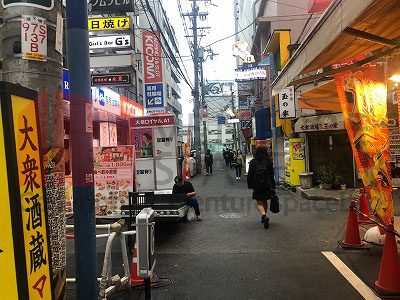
[146, 259]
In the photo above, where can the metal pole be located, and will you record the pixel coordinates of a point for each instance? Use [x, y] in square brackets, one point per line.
[234, 125]
[82, 149]
[197, 139]
[203, 101]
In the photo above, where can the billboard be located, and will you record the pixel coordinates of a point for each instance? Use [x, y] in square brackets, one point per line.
[106, 100]
[152, 61]
[250, 72]
[110, 41]
[154, 95]
[106, 24]
[110, 79]
[112, 6]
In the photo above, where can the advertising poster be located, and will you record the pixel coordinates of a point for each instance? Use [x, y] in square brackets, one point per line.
[164, 142]
[142, 139]
[113, 176]
[363, 100]
[68, 196]
[298, 151]
[113, 134]
[166, 170]
[144, 173]
[104, 134]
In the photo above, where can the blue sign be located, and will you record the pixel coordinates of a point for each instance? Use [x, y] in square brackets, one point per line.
[221, 120]
[243, 103]
[154, 95]
[65, 84]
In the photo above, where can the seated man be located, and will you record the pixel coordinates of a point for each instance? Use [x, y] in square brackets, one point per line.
[185, 187]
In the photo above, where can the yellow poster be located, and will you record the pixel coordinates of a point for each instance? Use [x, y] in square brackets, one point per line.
[8, 279]
[115, 23]
[31, 198]
[363, 96]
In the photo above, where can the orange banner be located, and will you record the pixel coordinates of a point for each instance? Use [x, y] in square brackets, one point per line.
[363, 96]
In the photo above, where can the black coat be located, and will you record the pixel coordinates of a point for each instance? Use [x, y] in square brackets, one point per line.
[261, 195]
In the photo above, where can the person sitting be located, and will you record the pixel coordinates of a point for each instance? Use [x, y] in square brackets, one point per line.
[185, 187]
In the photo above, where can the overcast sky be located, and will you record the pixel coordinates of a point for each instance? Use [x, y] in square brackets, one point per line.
[221, 21]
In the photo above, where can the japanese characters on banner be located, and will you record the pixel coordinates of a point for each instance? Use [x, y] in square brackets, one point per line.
[164, 142]
[130, 108]
[113, 177]
[287, 103]
[34, 38]
[31, 199]
[112, 6]
[104, 134]
[144, 175]
[152, 65]
[107, 100]
[113, 134]
[113, 23]
[363, 96]
[250, 72]
[111, 79]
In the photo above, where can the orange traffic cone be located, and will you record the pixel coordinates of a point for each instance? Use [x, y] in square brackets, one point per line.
[135, 280]
[389, 274]
[352, 238]
[364, 207]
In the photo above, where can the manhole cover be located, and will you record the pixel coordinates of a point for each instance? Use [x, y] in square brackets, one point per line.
[232, 215]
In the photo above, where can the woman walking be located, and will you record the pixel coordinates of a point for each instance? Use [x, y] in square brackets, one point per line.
[260, 178]
[239, 162]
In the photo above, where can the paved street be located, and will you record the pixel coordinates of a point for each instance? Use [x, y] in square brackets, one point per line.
[229, 255]
[236, 258]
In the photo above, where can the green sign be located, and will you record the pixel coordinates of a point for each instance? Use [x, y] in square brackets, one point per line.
[44, 4]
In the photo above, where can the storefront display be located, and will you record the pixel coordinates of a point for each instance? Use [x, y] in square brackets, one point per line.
[113, 176]
[294, 156]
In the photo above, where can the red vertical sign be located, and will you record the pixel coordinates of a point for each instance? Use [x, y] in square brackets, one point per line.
[152, 57]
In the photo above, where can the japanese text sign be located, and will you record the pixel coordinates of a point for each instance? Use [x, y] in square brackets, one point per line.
[287, 103]
[221, 120]
[154, 95]
[152, 57]
[43, 4]
[116, 23]
[112, 6]
[111, 79]
[25, 270]
[34, 38]
[151, 121]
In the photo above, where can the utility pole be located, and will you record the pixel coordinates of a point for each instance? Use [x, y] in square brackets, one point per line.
[197, 138]
[235, 144]
[45, 77]
[82, 150]
[203, 100]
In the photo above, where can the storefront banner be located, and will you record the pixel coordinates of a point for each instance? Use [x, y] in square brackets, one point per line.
[287, 103]
[243, 114]
[152, 121]
[110, 41]
[130, 108]
[154, 95]
[320, 123]
[250, 72]
[152, 61]
[142, 139]
[113, 134]
[104, 134]
[113, 176]
[363, 96]
[107, 100]
[113, 23]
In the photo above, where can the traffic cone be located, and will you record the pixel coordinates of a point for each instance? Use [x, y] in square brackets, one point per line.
[389, 274]
[352, 238]
[364, 207]
[135, 280]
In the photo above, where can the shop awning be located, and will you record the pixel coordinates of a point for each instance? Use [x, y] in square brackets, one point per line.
[322, 97]
[348, 29]
[320, 123]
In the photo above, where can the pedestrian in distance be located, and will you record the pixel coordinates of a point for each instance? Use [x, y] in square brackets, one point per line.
[230, 158]
[238, 163]
[260, 178]
[208, 160]
[186, 187]
[226, 157]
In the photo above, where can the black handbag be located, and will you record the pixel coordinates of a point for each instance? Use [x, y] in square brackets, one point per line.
[274, 205]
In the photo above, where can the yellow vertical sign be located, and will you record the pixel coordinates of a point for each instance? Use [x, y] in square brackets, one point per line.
[8, 278]
[31, 198]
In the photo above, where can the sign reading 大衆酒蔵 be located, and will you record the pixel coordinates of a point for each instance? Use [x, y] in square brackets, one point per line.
[25, 266]
[43, 4]
[112, 23]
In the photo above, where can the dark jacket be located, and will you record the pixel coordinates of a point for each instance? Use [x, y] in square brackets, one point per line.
[209, 159]
[252, 168]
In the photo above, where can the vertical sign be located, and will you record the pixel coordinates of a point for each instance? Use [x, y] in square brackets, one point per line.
[25, 260]
[104, 134]
[152, 65]
[34, 38]
[113, 134]
[287, 105]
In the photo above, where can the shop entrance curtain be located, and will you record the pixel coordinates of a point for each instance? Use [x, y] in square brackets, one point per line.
[363, 95]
